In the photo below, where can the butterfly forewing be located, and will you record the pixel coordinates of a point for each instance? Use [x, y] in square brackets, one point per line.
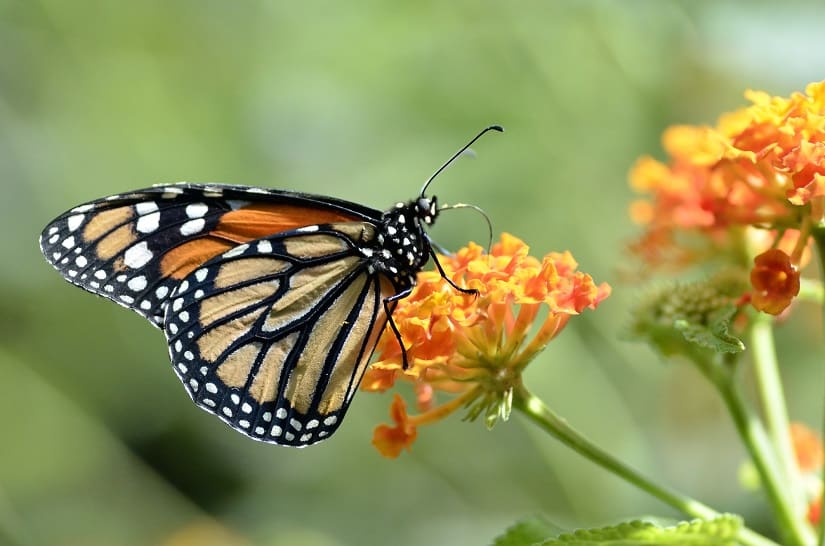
[274, 335]
[136, 248]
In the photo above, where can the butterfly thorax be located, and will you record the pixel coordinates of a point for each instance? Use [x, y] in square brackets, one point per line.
[401, 244]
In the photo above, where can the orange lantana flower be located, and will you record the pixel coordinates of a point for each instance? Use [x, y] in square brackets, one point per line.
[389, 441]
[476, 346]
[808, 449]
[760, 167]
[775, 281]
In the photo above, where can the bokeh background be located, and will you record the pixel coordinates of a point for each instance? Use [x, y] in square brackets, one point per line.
[99, 444]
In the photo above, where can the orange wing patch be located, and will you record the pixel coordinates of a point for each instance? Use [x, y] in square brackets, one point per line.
[184, 259]
[263, 219]
[241, 226]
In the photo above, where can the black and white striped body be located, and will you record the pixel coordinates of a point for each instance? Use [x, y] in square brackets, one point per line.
[401, 247]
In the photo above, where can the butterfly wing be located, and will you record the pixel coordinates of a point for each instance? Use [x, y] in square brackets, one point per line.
[135, 248]
[274, 336]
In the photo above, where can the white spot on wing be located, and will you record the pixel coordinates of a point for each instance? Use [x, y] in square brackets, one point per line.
[81, 261]
[149, 222]
[74, 221]
[146, 207]
[137, 284]
[237, 251]
[138, 255]
[161, 292]
[83, 208]
[264, 247]
[200, 274]
[196, 210]
[68, 242]
[192, 226]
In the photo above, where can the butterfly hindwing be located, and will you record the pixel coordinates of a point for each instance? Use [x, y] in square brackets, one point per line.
[135, 248]
[274, 335]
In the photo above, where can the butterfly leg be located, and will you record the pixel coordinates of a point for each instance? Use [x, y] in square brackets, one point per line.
[390, 301]
[471, 291]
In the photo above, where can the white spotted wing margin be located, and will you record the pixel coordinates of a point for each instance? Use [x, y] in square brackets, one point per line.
[113, 247]
[274, 335]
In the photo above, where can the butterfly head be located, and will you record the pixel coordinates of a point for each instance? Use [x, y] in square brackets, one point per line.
[426, 210]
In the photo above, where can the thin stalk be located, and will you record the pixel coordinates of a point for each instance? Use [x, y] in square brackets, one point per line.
[811, 290]
[819, 237]
[794, 530]
[535, 410]
[774, 407]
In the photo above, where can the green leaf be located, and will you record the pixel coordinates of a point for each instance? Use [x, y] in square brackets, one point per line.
[720, 531]
[527, 532]
[714, 333]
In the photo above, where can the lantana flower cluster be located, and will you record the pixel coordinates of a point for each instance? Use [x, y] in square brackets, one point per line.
[749, 188]
[473, 347]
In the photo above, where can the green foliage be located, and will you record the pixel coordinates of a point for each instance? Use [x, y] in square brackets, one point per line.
[714, 333]
[718, 532]
[682, 317]
[532, 530]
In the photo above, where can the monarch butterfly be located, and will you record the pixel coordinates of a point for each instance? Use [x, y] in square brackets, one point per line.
[271, 301]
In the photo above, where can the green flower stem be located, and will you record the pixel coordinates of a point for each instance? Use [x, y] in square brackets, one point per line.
[795, 531]
[536, 411]
[819, 237]
[811, 290]
[774, 407]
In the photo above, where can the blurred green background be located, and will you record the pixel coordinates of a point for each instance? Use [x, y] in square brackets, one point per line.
[99, 444]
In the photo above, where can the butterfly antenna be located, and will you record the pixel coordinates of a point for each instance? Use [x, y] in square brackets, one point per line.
[480, 211]
[498, 128]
